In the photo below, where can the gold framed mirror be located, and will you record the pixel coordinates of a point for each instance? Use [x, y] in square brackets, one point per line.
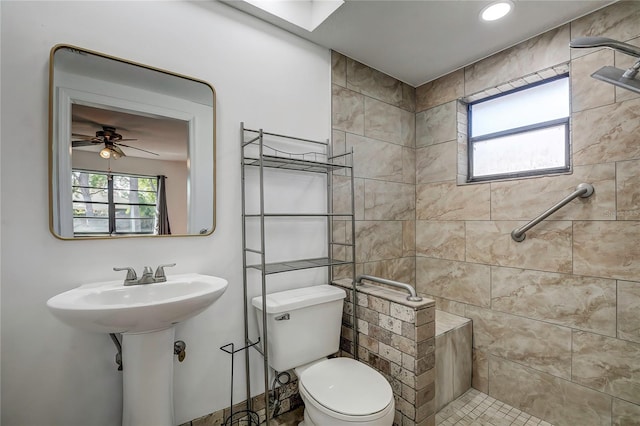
[131, 149]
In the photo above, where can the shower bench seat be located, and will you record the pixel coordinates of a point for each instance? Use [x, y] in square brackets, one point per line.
[453, 357]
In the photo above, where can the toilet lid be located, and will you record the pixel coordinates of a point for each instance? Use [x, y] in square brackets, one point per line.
[347, 386]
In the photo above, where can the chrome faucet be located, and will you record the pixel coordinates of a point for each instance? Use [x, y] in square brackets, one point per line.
[148, 277]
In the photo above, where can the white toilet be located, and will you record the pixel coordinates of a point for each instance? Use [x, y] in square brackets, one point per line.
[303, 328]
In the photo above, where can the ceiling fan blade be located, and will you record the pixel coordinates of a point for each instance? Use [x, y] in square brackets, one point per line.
[120, 140]
[77, 135]
[139, 149]
[118, 151]
[83, 143]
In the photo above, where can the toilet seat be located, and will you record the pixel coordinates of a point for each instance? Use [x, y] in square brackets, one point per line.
[346, 389]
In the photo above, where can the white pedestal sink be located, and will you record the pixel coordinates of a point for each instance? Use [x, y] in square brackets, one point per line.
[145, 315]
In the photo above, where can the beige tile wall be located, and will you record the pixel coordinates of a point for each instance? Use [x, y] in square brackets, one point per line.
[374, 115]
[556, 318]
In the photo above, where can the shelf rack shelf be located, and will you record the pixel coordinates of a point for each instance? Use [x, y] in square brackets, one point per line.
[276, 162]
[318, 159]
[297, 265]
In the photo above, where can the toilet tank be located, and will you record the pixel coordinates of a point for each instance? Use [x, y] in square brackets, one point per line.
[303, 325]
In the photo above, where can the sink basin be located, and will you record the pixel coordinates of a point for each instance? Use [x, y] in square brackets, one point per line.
[145, 315]
[110, 307]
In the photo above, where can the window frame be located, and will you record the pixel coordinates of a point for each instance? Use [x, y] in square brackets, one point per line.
[111, 203]
[519, 130]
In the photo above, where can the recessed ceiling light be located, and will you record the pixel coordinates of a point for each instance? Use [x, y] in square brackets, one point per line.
[496, 10]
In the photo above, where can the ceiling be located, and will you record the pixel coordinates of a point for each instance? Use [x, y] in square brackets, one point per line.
[421, 40]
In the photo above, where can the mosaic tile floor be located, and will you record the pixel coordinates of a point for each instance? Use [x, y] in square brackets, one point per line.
[475, 408]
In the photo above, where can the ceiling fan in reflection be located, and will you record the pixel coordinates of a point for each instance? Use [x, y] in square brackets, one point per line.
[111, 140]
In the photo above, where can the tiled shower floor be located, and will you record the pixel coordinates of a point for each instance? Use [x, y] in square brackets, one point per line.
[475, 408]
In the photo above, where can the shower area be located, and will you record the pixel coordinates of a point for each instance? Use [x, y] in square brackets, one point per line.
[555, 318]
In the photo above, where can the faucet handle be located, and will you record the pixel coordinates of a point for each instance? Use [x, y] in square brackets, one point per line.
[131, 273]
[160, 271]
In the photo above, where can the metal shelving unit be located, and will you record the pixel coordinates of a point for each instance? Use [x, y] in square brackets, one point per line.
[320, 159]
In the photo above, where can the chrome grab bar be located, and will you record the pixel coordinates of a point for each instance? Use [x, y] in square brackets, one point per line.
[413, 296]
[584, 190]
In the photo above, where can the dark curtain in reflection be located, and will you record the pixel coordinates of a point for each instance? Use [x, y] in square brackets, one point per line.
[162, 214]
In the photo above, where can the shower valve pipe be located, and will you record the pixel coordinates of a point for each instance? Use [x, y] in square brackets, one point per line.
[591, 42]
[632, 71]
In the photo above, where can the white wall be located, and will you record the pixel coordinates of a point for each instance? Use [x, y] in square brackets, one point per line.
[51, 373]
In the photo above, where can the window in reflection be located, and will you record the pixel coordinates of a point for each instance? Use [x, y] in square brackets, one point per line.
[108, 204]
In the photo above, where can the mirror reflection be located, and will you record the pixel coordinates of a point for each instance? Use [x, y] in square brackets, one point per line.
[132, 149]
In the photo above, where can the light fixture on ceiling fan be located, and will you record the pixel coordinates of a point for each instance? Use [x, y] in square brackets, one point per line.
[111, 151]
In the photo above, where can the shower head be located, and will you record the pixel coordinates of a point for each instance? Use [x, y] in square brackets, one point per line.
[589, 42]
[617, 77]
[621, 78]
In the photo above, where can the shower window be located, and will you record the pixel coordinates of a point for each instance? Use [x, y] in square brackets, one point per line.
[110, 204]
[523, 132]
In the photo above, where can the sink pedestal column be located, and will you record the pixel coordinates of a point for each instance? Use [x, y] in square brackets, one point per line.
[147, 363]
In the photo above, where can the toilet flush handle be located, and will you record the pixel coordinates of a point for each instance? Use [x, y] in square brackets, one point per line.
[283, 317]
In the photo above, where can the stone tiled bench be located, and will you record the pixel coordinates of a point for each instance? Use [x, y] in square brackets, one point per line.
[397, 338]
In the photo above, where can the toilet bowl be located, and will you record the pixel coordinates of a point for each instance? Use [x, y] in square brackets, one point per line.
[342, 391]
[303, 326]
